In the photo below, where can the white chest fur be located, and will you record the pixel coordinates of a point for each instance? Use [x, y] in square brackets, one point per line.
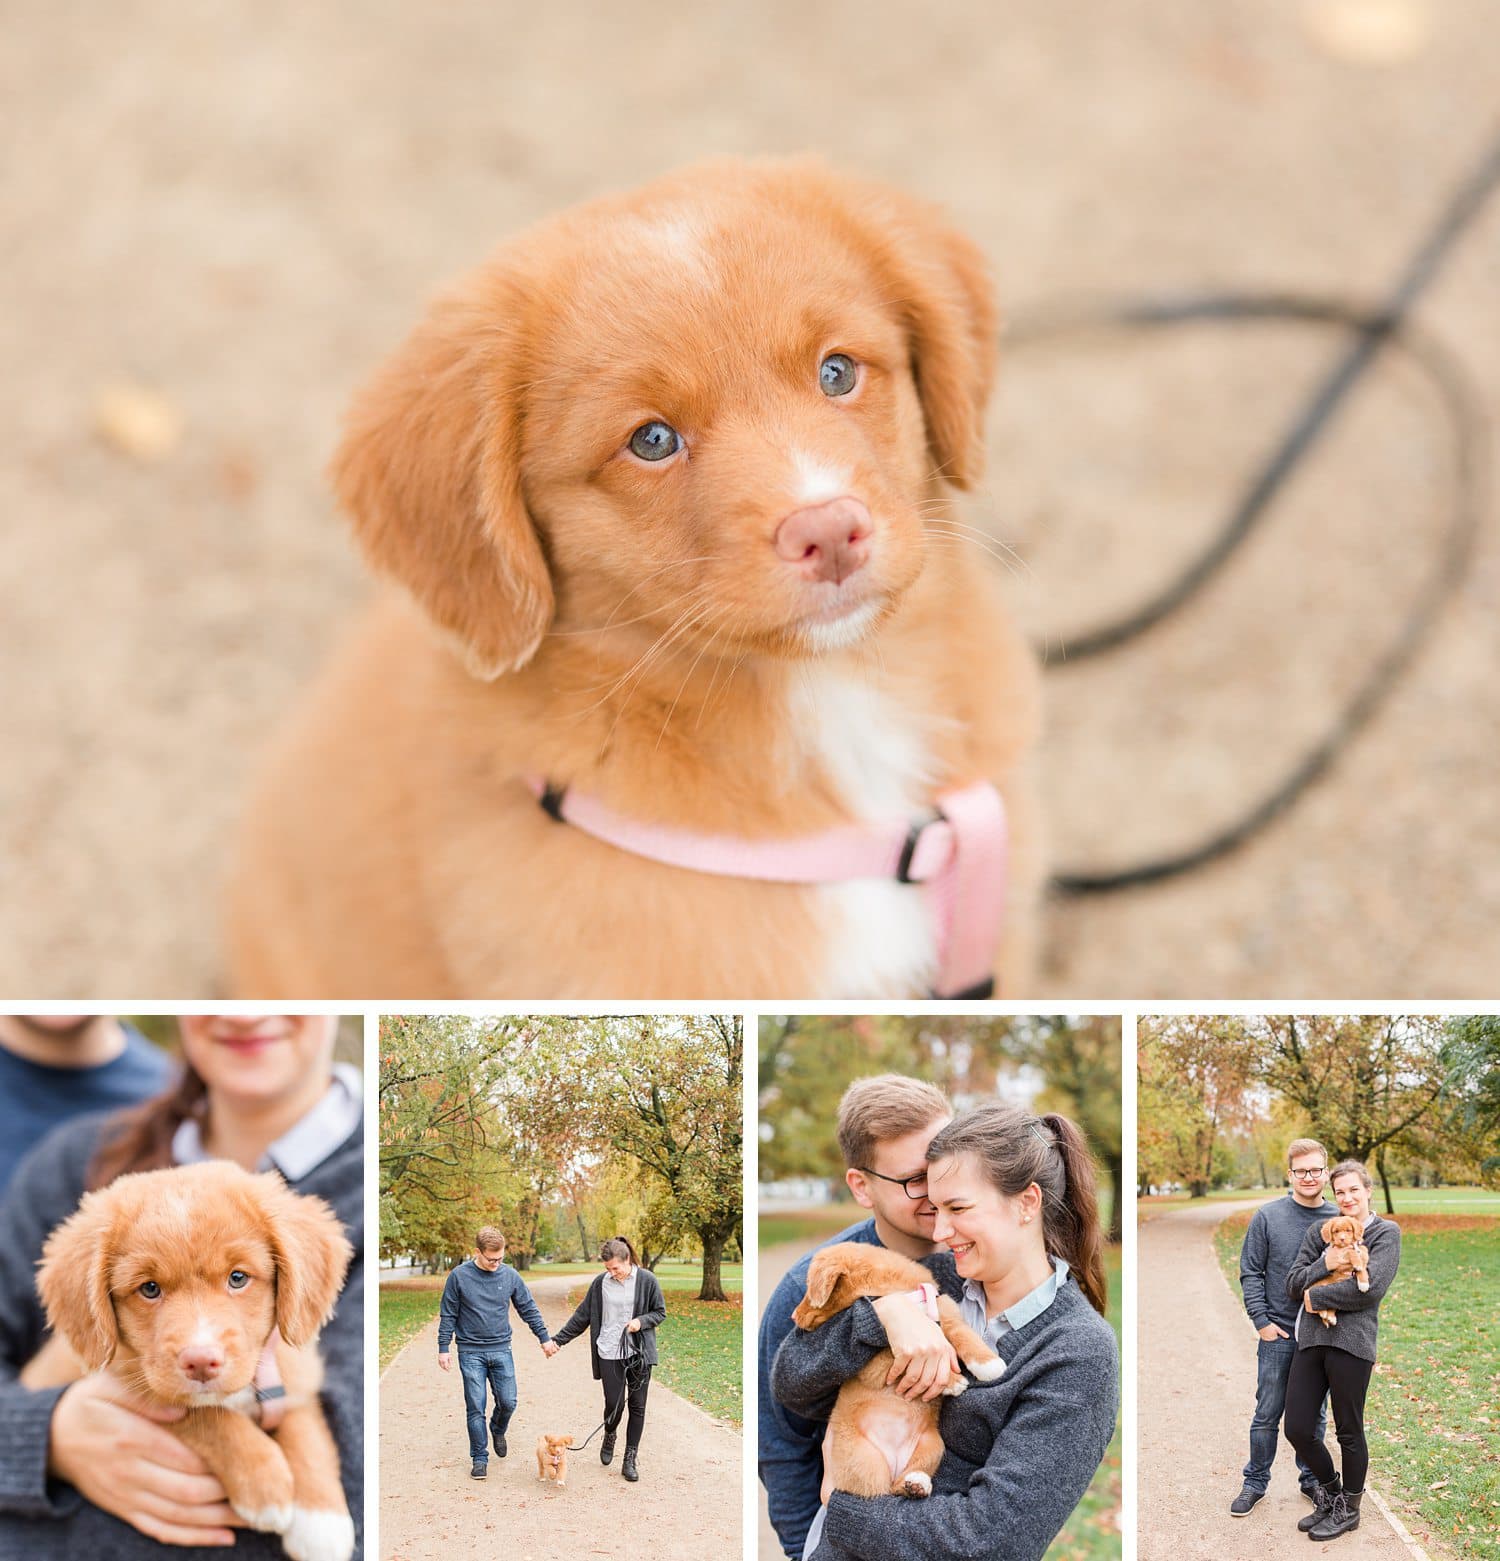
[878, 935]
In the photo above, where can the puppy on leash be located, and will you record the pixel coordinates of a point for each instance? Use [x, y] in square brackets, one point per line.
[552, 1458]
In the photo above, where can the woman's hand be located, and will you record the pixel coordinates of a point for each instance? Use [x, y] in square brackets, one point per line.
[925, 1362]
[1337, 1259]
[827, 1488]
[115, 1451]
[634, 1326]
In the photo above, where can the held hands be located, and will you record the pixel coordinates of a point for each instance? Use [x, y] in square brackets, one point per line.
[445, 1361]
[1271, 1331]
[550, 1347]
[113, 1449]
[925, 1362]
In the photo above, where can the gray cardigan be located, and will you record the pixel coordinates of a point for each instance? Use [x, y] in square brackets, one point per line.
[1020, 1452]
[42, 1519]
[649, 1307]
[1359, 1310]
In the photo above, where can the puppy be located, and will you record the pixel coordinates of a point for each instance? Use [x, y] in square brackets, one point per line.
[1342, 1232]
[204, 1287]
[880, 1444]
[552, 1458]
[664, 492]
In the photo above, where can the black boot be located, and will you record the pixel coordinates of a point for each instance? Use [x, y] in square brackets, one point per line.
[1342, 1516]
[1323, 1503]
[628, 1469]
[607, 1448]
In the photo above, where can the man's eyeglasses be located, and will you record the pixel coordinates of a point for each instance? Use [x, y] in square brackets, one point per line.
[1310, 1176]
[913, 1186]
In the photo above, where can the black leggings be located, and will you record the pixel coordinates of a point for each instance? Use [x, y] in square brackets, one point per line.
[616, 1400]
[1344, 1377]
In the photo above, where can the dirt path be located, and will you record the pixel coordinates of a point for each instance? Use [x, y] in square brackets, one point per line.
[686, 1506]
[1197, 1393]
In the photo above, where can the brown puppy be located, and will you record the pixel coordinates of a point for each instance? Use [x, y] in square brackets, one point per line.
[552, 1458]
[665, 489]
[880, 1444]
[1342, 1233]
[204, 1287]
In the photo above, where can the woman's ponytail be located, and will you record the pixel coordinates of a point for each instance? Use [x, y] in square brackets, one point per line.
[617, 1247]
[1073, 1231]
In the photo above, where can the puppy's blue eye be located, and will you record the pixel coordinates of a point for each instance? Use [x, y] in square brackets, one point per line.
[151, 1290]
[238, 1279]
[837, 376]
[655, 441]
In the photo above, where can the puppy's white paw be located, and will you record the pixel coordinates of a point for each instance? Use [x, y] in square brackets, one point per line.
[915, 1484]
[987, 1370]
[319, 1536]
[956, 1386]
[269, 1520]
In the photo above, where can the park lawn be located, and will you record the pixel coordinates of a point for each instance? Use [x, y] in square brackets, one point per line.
[671, 1276]
[1093, 1532]
[701, 1347]
[1433, 1413]
[406, 1307]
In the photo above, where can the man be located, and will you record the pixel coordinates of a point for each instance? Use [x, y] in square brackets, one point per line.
[475, 1311]
[54, 1066]
[884, 1127]
[1271, 1245]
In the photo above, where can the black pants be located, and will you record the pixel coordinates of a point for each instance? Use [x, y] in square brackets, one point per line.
[1344, 1377]
[620, 1394]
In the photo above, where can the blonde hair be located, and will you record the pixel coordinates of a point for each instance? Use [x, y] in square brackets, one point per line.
[490, 1239]
[1303, 1146]
[886, 1106]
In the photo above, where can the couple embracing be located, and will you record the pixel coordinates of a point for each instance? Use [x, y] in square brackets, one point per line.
[1304, 1363]
[999, 1204]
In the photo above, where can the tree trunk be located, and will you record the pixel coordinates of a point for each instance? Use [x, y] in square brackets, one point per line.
[1197, 1189]
[1116, 1210]
[713, 1238]
[1385, 1183]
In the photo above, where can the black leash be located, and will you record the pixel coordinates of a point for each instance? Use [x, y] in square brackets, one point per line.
[1373, 329]
[633, 1363]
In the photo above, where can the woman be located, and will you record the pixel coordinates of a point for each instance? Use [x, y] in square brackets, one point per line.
[1019, 1221]
[1338, 1361]
[621, 1310]
[86, 1470]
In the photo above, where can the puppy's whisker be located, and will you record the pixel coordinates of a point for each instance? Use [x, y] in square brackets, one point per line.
[697, 598]
[683, 626]
[687, 678]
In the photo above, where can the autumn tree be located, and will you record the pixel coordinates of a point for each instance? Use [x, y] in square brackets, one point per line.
[1198, 1069]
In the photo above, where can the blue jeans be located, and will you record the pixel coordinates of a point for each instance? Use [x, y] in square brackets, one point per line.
[495, 1367]
[1273, 1366]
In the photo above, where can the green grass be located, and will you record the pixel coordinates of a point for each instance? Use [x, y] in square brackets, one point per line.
[701, 1347]
[671, 1276]
[807, 1227]
[405, 1310]
[1093, 1532]
[1408, 1200]
[1432, 1417]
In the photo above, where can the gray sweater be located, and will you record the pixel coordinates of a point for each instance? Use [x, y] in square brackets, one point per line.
[1358, 1310]
[1271, 1243]
[1020, 1451]
[476, 1304]
[41, 1519]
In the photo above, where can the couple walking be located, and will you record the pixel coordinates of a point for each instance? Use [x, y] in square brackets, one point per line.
[1302, 1364]
[621, 1311]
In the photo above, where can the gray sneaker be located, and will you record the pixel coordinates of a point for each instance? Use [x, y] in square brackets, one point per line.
[1246, 1499]
[477, 1471]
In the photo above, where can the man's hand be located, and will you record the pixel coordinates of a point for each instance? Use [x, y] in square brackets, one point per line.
[634, 1325]
[550, 1347]
[113, 1449]
[1271, 1331]
[444, 1362]
[925, 1362]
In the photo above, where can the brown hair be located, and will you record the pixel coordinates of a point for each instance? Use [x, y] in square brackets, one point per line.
[886, 1106]
[1016, 1149]
[490, 1239]
[140, 1139]
[1303, 1146]
[618, 1247]
[1347, 1167]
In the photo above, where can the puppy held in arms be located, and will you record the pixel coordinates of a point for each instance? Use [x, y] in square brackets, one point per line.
[552, 1458]
[204, 1287]
[690, 680]
[1342, 1234]
[878, 1443]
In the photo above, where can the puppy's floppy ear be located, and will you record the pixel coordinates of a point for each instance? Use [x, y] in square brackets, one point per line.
[1327, 1231]
[73, 1280]
[429, 469]
[823, 1273]
[311, 1254]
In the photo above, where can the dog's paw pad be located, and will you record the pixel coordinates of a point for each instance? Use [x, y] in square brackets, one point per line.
[916, 1485]
[987, 1370]
[268, 1520]
[319, 1536]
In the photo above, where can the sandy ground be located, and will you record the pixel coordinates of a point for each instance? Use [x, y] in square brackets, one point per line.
[1197, 1394]
[687, 1500]
[238, 207]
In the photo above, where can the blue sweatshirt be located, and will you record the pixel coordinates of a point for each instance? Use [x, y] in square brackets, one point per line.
[1271, 1244]
[476, 1308]
[791, 1447]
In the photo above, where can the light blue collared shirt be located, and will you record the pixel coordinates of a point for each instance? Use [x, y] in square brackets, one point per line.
[305, 1145]
[992, 1329]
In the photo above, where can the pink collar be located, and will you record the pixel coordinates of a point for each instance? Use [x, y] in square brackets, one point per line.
[270, 1395]
[957, 852]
